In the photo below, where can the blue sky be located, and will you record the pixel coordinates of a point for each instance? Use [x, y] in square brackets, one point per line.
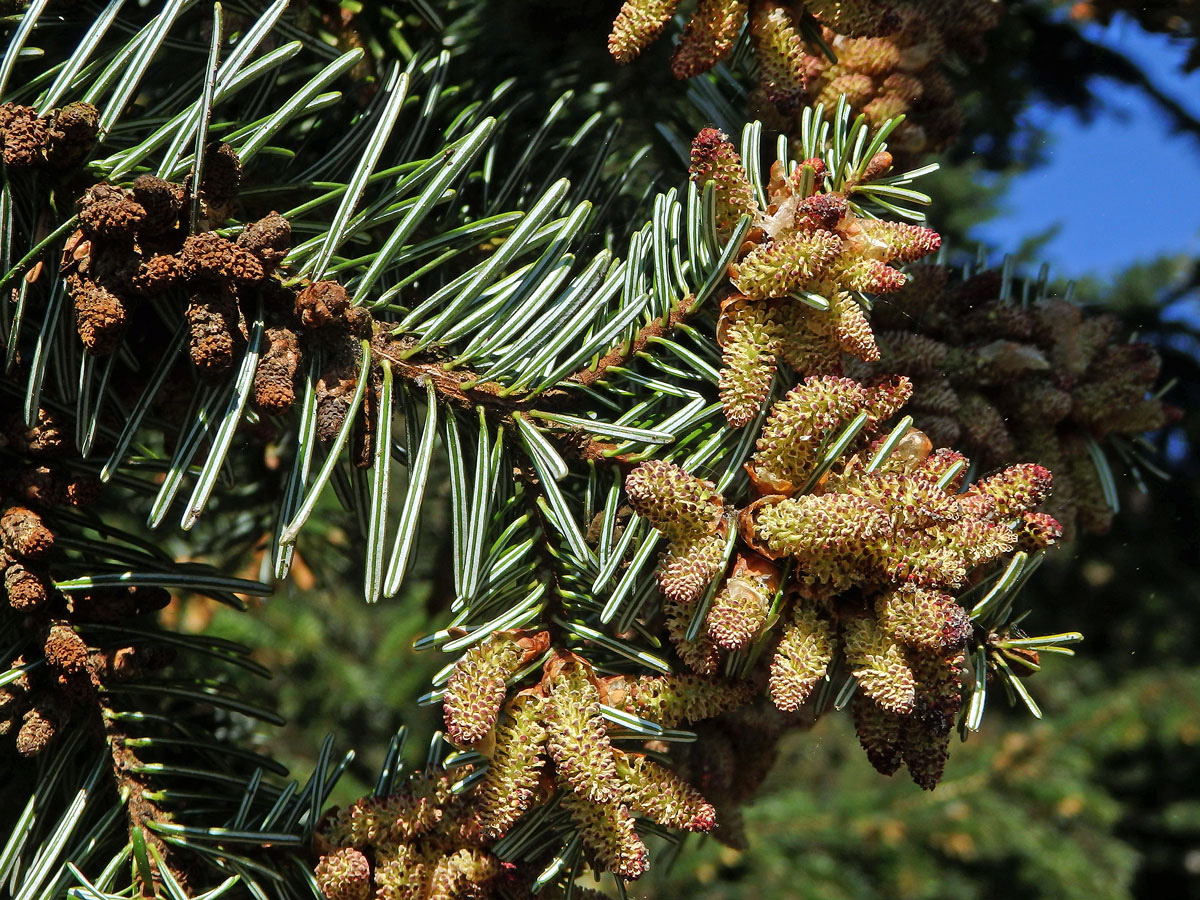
[1122, 187]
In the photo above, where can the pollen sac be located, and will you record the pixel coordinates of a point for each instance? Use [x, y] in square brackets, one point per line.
[163, 202]
[855, 17]
[637, 26]
[941, 463]
[101, 316]
[322, 303]
[850, 329]
[715, 159]
[751, 341]
[926, 733]
[740, 608]
[39, 727]
[738, 611]
[889, 64]
[65, 650]
[222, 175]
[689, 565]
[709, 36]
[1092, 511]
[344, 874]
[416, 810]
[22, 136]
[821, 527]
[786, 451]
[1016, 489]
[477, 686]
[466, 872]
[115, 604]
[861, 273]
[880, 665]
[577, 737]
[23, 533]
[609, 836]
[889, 241]
[923, 619]
[71, 135]
[805, 651]
[810, 341]
[983, 424]
[800, 273]
[110, 212]
[404, 872]
[423, 841]
[699, 654]
[157, 274]
[26, 589]
[898, 521]
[1038, 531]
[513, 777]
[676, 503]
[888, 60]
[731, 758]
[780, 53]
[212, 259]
[675, 700]
[46, 435]
[335, 389]
[690, 512]
[269, 239]
[215, 328]
[792, 262]
[913, 499]
[476, 690]
[662, 796]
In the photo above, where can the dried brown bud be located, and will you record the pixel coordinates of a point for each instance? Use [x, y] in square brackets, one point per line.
[275, 378]
[65, 649]
[26, 589]
[71, 134]
[162, 200]
[38, 729]
[211, 258]
[215, 322]
[106, 211]
[100, 315]
[269, 239]
[335, 390]
[321, 303]
[24, 534]
[157, 274]
[22, 135]
[877, 166]
[46, 486]
[45, 436]
[128, 662]
[222, 174]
